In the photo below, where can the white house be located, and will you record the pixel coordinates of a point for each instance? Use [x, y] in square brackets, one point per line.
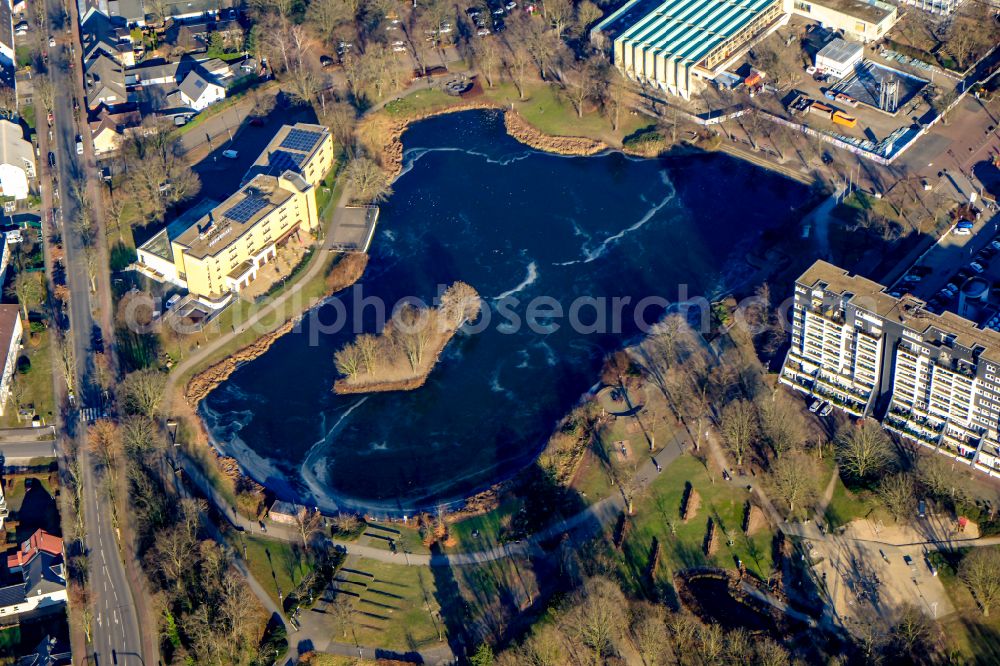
[199, 91]
[10, 345]
[41, 562]
[17, 161]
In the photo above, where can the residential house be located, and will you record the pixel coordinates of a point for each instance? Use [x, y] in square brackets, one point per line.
[42, 589]
[17, 161]
[10, 347]
[105, 83]
[108, 131]
[199, 91]
[49, 652]
[136, 12]
[7, 54]
[284, 512]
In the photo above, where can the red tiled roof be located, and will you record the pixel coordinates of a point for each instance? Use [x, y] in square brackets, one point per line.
[39, 541]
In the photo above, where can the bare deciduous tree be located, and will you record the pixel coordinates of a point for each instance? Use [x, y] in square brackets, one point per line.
[739, 428]
[141, 392]
[898, 494]
[980, 570]
[794, 479]
[864, 449]
[368, 182]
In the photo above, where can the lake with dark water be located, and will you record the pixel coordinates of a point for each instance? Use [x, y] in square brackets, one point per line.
[532, 233]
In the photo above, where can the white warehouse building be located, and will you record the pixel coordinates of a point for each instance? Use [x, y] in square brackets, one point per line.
[839, 58]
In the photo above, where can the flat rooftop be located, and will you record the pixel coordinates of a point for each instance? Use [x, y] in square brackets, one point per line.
[214, 231]
[908, 311]
[689, 30]
[160, 245]
[291, 147]
[841, 50]
[871, 11]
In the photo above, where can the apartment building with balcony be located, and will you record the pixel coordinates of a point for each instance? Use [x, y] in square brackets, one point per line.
[933, 379]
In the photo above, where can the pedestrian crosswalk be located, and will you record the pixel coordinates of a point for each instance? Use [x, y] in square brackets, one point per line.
[91, 414]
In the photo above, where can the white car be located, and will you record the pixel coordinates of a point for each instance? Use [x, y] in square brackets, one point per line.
[510, 5]
[827, 408]
[52, 42]
[976, 267]
[482, 32]
[398, 49]
[995, 244]
[814, 407]
[961, 232]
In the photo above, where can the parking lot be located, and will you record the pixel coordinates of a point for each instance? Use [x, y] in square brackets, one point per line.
[949, 263]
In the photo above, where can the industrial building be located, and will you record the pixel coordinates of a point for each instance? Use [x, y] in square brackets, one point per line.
[678, 45]
[933, 379]
[216, 249]
[839, 58]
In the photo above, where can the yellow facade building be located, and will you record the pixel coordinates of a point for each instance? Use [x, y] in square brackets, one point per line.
[216, 249]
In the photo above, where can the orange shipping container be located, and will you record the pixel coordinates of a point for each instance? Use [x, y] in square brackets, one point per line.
[844, 119]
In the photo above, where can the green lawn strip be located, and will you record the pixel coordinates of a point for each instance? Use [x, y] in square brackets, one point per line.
[420, 102]
[274, 564]
[485, 530]
[37, 382]
[378, 535]
[968, 631]
[846, 505]
[660, 506]
[396, 604]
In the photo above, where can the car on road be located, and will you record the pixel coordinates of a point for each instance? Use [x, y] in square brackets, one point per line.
[52, 159]
[52, 42]
[908, 560]
[230, 154]
[79, 145]
[930, 566]
[827, 408]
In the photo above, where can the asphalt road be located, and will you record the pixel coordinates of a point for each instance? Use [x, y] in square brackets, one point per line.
[19, 445]
[115, 625]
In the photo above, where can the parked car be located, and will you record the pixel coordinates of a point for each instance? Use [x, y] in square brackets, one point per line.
[976, 267]
[230, 154]
[930, 566]
[52, 159]
[995, 244]
[79, 145]
[827, 408]
[814, 407]
[961, 231]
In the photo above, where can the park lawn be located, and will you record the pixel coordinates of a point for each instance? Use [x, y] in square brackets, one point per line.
[659, 507]
[407, 538]
[967, 630]
[420, 103]
[484, 530]
[548, 112]
[37, 382]
[592, 482]
[275, 564]
[396, 607]
[847, 505]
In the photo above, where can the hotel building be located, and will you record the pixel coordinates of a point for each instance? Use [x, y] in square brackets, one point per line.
[933, 379]
[216, 249]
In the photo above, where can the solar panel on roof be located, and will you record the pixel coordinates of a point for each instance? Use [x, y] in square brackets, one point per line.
[302, 140]
[246, 209]
[282, 160]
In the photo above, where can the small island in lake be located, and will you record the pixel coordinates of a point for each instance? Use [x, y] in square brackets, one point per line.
[403, 355]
